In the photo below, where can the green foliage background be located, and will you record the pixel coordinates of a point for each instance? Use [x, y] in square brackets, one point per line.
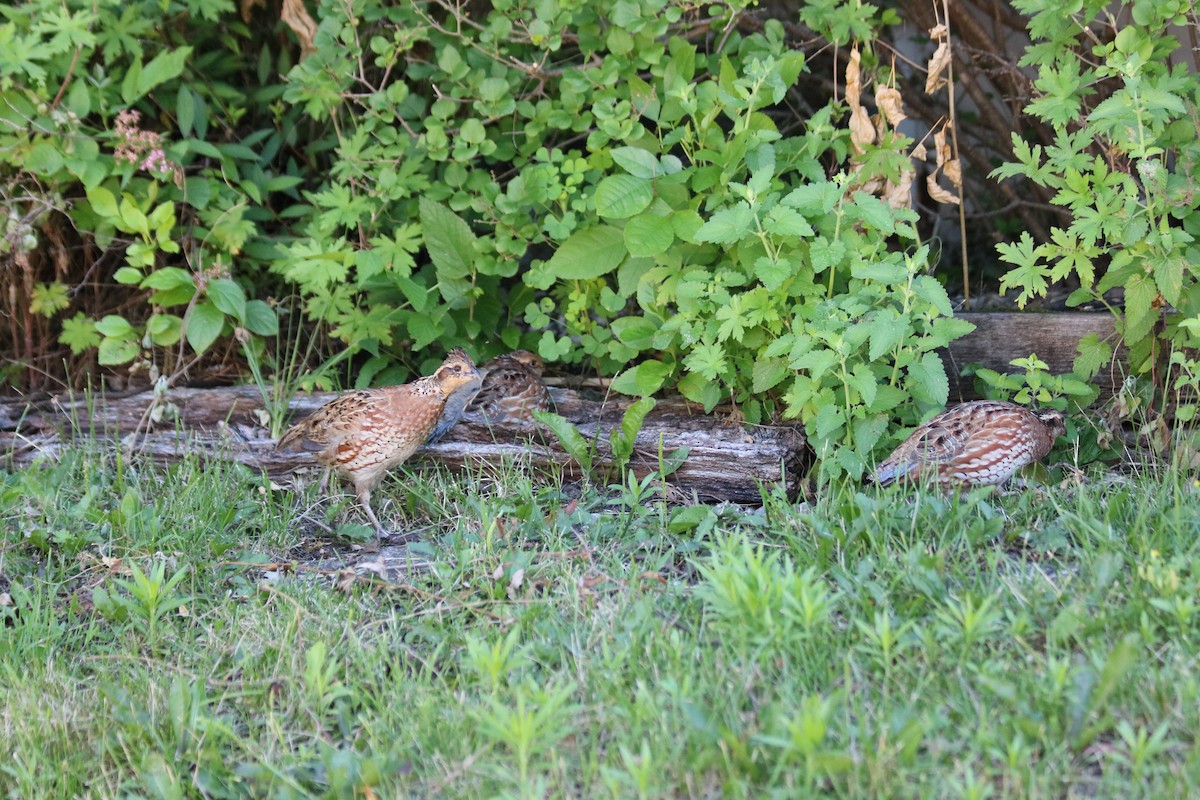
[621, 184]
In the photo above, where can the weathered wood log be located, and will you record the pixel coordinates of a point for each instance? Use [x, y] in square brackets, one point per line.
[724, 461]
[999, 337]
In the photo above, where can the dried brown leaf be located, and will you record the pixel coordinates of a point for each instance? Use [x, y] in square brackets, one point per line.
[953, 171]
[854, 81]
[919, 153]
[862, 131]
[937, 65]
[938, 32]
[937, 192]
[899, 195]
[891, 104]
[296, 17]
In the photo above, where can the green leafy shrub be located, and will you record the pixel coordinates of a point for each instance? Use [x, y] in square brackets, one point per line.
[139, 136]
[1125, 163]
[588, 181]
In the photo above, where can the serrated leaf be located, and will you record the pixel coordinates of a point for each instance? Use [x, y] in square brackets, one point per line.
[588, 254]
[448, 240]
[1093, 354]
[927, 379]
[228, 297]
[727, 226]
[784, 221]
[204, 324]
[767, 373]
[1140, 293]
[79, 333]
[622, 196]
[772, 272]
[698, 389]
[873, 212]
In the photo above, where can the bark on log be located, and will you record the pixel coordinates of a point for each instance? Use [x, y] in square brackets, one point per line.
[724, 462]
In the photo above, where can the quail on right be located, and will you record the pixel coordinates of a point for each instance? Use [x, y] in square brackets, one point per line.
[512, 388]
[980, 443]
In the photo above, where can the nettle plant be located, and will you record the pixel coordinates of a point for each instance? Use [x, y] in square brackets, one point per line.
[136, 155]
[1125, 162]
[589, 182]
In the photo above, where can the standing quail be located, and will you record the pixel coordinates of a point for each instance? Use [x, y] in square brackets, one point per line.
[981, 443]
[512, 388]
[363, 434]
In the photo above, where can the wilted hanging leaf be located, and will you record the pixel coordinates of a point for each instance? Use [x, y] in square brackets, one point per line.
[939, 32]
[296, 17]
[862, 132]
[937, 192]
[891, 104]
[953, 171]
[941, 146]
[937, 65]
[919, 153]
[854, 81]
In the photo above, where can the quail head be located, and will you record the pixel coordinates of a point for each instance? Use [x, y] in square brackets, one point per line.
[362, 434]
[980, 443]
[512, 388]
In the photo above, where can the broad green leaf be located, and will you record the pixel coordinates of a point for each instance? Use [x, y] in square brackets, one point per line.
[204, 324]
[637, 162]
[117, 351]
[644, 379]
[622, 196]
[784, 221]
[163, 67]
[115, 327]
[261, 319]
[881, 271]
[698, 389]
[103, 202]
[185, 110]
[448, 239]
[588, 253]
[228, 297]
[164, 329]
[648, 235]
[128, 276]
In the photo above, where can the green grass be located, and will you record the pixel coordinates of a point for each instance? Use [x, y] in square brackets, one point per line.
[873, 644]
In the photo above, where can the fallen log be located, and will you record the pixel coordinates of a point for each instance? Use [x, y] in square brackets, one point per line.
[724, 461]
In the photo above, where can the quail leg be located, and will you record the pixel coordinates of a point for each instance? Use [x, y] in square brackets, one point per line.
[364, 498]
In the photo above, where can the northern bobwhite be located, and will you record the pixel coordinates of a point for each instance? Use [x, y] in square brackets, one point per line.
[512, 388]
[980, 443]
[363, 434]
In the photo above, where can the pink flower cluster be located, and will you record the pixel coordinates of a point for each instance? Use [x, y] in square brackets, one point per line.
[144, 148]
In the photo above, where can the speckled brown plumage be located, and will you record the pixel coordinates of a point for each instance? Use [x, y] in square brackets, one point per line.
[980, 443]
[362, 434]
[512, 388]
